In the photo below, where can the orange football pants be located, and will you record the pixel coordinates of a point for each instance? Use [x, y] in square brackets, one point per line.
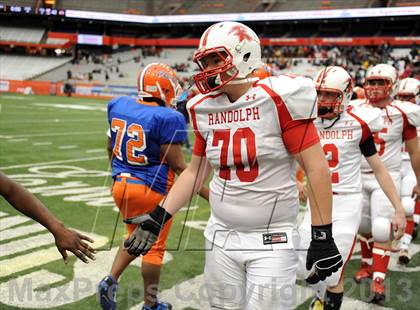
[134, 198]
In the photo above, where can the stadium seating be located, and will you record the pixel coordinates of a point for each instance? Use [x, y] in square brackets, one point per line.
[128, 68]
[56, 41]
[298, 5]
[19, 34]
[27, 67]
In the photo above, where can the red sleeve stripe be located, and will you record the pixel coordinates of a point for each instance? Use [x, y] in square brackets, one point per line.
[282, 112]
[366, 133]
[300, 136]
[409, 131]
[297, 135]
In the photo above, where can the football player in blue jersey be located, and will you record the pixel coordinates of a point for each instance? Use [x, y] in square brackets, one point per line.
[145, 149]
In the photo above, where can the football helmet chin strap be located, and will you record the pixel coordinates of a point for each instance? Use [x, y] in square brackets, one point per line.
[217, 81]
[243, 81]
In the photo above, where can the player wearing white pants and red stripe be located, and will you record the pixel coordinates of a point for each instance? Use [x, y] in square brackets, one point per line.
[399, 125]
[346, 137]
[409, 91]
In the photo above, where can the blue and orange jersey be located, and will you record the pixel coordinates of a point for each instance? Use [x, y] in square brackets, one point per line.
[138, 129]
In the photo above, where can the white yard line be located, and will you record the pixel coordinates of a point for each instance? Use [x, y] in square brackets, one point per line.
[73, 120]
[25, 244]
[41, 143]
[67, 147]
[18, 140]
[54, 134]
[53, 162]
[10, 221]
[95, 151]
[20, 231]
[72, 106]
[13, 97]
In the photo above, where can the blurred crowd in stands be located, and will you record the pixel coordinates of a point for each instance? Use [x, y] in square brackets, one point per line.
[355, 59]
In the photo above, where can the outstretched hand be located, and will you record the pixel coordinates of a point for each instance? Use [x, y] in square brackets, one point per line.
[70, 240]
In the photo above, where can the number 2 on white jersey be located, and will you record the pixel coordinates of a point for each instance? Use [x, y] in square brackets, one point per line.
[331, 152]
[134, 145]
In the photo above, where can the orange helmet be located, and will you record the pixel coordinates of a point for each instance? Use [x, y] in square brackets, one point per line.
[159, 81]
[263, 72]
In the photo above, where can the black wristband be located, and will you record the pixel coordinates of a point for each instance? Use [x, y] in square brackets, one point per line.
[322, 232]
[160, 215]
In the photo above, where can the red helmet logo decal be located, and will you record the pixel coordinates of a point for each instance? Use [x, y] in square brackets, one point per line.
[241, 32]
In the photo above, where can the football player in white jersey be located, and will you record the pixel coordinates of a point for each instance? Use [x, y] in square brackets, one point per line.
[346, 137]
[399, 125]
[251, 133]
[409, 91]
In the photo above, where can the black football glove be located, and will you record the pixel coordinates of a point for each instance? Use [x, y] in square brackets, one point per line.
[323, 254]
[147, 231]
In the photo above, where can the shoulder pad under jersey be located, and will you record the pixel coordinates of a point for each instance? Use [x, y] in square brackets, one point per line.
[411, 110]
[298, 94]
[357, 102]
[369, 114]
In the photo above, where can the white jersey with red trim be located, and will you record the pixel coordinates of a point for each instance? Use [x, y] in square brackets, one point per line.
[404, 154]
[253, 185]
[341, 139]
[397, 119]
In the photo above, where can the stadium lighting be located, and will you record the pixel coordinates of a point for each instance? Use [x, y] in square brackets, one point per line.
[210, 18]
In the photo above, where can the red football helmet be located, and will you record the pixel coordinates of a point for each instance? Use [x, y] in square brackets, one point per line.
[235, 46]
[159, 83]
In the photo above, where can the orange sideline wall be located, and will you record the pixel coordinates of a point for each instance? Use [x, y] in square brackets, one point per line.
[47, 88]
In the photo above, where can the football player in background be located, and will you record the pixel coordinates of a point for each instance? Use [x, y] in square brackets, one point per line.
[65, 239]
[409, 91]
[399, 125]
[145, 149]
[358, 93]
[251, 133]
[263, 72]
[346, 137]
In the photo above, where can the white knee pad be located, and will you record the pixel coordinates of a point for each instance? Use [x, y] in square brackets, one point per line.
[408, 204]
[381, 229]
[407, 185]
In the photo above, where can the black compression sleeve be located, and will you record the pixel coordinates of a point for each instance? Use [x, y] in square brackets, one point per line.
[368, 147]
